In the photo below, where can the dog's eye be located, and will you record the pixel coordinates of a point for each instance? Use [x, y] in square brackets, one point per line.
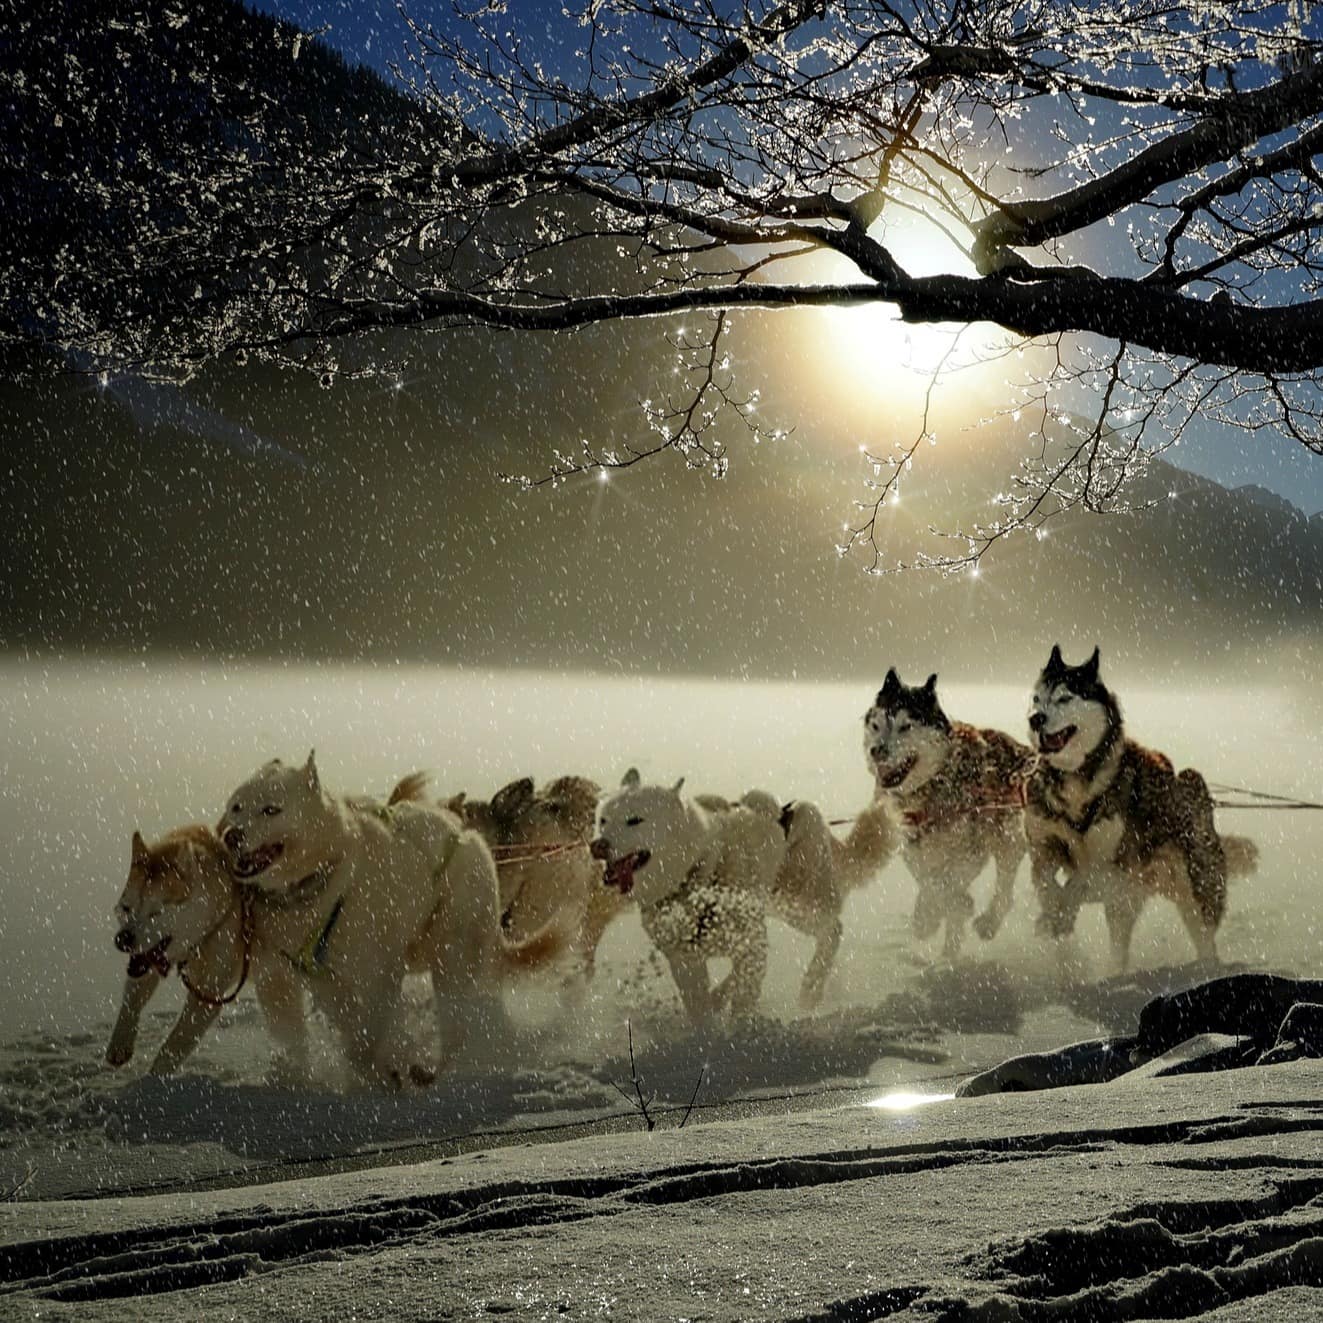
[632, 822]
[270, 811]
[236, 807]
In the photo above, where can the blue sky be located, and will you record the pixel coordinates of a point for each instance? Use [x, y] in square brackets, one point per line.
[373, 32]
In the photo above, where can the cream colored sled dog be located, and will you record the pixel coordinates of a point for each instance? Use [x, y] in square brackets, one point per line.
[356, 892]
[819, 872]
[540, 840]
[181, 908]
[701, 876]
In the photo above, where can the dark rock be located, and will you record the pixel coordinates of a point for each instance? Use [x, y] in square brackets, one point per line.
[1300, 1035]
[1244, 1005]
[1203, 1052]
[1093, 1061]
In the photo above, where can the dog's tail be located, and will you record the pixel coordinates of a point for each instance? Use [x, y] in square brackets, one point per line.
[1242, 856]
[543, 947]
[409, 790]
[871, 843]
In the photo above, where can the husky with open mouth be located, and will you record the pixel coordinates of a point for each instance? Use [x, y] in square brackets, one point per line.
[955, 792]
[701, 876]
[391, 887]
[1112, 822]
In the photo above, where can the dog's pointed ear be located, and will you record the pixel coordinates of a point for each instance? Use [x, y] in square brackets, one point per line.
[930, 687]
[675, 789]
[456, 802]
[1091, 666]
[1055, 660]
[509, 801]
[310, 772]
[140, 852]
[890, 686]
[631, 779]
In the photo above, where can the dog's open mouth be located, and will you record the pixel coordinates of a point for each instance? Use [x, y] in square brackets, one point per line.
[143, 962]
[890, 777]
[252, 862]
[620, 872]
[1057, 741]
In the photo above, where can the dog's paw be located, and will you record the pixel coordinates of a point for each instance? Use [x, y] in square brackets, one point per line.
[1055, 923]
[118, 1056]
[986, 926]
[421, 1076]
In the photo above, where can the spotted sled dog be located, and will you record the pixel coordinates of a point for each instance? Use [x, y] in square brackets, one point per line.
[1112, 822]
[700, 870]
[955, 791]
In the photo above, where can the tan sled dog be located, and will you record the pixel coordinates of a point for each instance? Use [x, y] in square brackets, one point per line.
[819, 872]
[540, 840]
[180, 907]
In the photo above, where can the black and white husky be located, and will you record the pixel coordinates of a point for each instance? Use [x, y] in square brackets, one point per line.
[1116, 821]
[955, 792]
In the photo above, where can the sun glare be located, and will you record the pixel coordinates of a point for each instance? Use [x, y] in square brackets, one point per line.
[868, 356]
[904, 1102]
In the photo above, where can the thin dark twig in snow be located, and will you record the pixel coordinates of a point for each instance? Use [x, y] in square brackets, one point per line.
[641, 1105]
[11, 1194]
[693, 1097]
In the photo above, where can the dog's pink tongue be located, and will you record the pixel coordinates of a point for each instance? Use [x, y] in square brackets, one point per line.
[620, 874]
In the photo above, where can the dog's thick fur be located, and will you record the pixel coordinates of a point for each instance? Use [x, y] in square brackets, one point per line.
[701, 877]
[181, 903]
[818, 873]
[370, 890]
[562, 887]
[955, 793]
[1116, 820]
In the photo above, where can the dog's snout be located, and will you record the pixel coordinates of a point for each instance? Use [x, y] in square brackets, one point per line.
[232, 838]
[124, 940]
[600, 848]
[1037, 721]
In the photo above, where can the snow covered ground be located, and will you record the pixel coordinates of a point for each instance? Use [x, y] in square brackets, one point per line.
[842, 1212]
[1181, 1197]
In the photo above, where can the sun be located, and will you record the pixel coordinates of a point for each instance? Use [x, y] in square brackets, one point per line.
[867, 358]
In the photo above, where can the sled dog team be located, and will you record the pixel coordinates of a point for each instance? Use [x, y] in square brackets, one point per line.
[303, 891]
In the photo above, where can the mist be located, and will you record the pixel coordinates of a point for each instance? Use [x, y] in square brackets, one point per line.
[97, 749]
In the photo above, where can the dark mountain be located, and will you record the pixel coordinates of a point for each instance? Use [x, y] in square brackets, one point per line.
[378, 528]
[1270, 500]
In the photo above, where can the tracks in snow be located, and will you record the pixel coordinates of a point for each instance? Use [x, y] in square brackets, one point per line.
[1149, 1262]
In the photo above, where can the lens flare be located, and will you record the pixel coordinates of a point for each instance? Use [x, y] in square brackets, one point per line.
[905, 1102]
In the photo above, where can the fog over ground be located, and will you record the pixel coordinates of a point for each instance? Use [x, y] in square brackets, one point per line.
[93, 750]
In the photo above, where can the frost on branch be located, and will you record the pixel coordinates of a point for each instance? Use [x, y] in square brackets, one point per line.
[1139, 192]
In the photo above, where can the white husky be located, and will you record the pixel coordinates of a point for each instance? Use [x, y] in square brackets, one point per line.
[701, 877]
[382, 888]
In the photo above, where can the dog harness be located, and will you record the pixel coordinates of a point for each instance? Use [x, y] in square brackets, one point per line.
[312, 959]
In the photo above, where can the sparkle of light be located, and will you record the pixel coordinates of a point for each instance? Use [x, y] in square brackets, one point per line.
[904, 1102]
